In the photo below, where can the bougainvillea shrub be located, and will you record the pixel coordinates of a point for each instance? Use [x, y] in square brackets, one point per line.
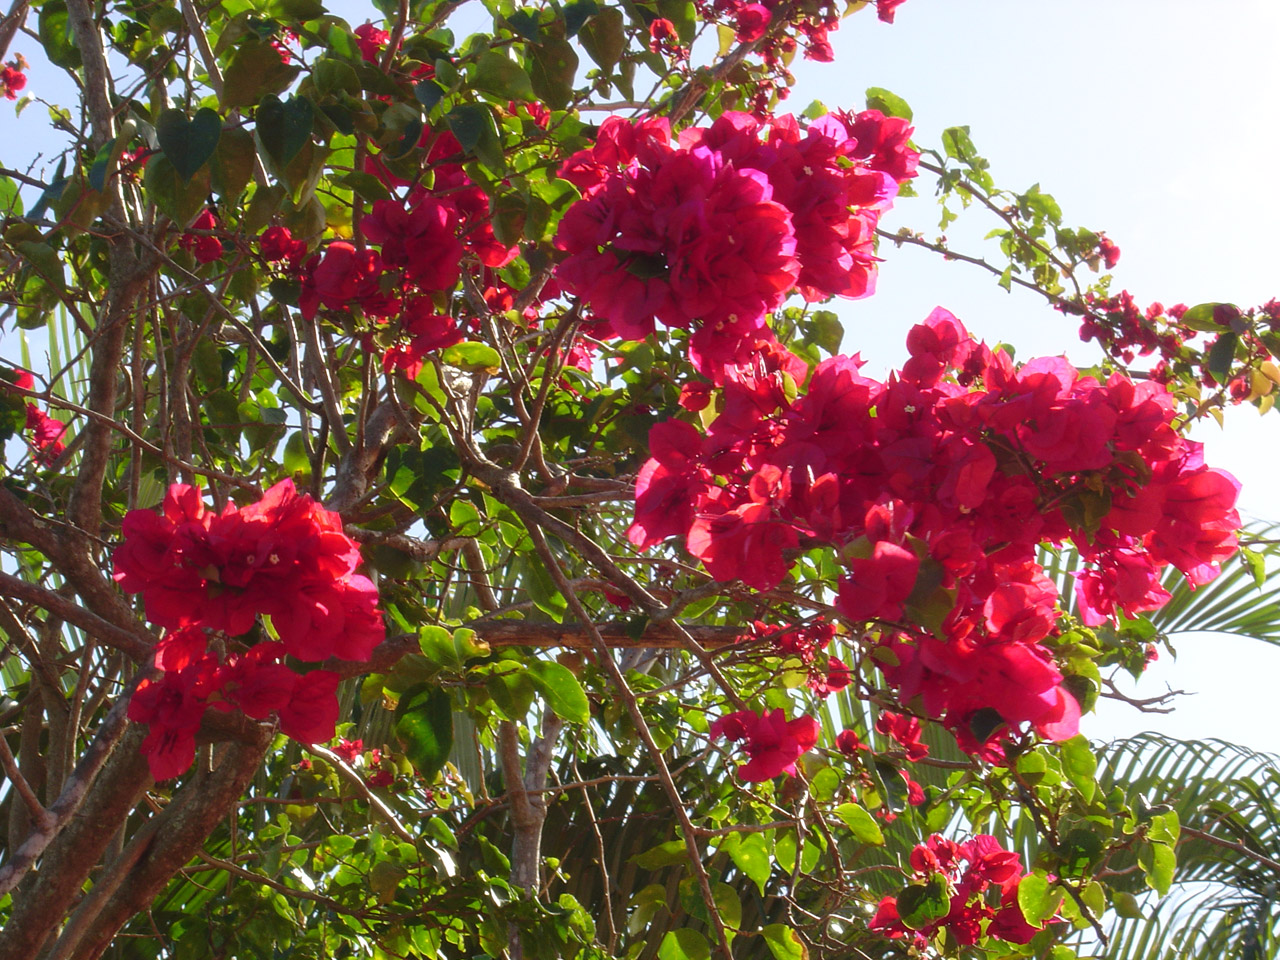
[443, 515]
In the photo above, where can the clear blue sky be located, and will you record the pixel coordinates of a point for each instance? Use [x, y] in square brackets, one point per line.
[1154, 122]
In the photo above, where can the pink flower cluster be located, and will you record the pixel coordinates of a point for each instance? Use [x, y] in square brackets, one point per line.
[776, 26]
[772, 742]
[969, 871]
[712, 234]
[936, 487]
[419, 245]
[284, 557]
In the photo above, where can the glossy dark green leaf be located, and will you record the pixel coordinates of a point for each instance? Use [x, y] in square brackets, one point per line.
[365, 185]
[424, 727]
[1222, 356]
[333, 76]
[526, 23]
[428, 92]
[473, 125]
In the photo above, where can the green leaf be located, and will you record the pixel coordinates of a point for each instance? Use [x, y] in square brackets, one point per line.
[1038, 898]
[178, 200]
[297, 10]
[684, 945]
[604, 38]
[365, 185]
[470, 355]
[333, 76]
[1125, 905]
[500, 76]
[232, 166]
[512, 693]
[683, 16]
[424, 727]
[44, 260]
[861, 824]
[55, 36]
[526, 23]
[576, 13]
[1252, 559]
[1080, 765]
[436, 644]
[955, 140]
[921, 904]
[1080, 850]
[784, 943]
[663, 855]
[750, 854]
[888, 103]
[1207, 317]
[10, 198]
[1221, 356]
[188, 143]
[552, 69]
[428, 92]
[385, 878]
[107, 153]
[473, 125]
[255, 71]
[561, 689]
[283, 128]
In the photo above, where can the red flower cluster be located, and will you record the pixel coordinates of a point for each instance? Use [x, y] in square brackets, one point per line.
[46, 431]
[12, 78]
[418, 250]
[773, 742]
[371, 40]
[203, 247]
[714, 233]
[973, 873]
[277, 243]
[284, 557]
[936, 487]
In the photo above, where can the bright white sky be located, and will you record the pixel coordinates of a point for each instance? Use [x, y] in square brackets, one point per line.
[1154, 122]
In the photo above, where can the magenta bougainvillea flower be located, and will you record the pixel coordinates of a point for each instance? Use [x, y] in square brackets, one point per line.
[713, 232]
[935, 487]
[772, 742]
[967, 871]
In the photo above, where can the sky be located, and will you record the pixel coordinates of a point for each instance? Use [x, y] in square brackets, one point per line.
[1153, 122]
